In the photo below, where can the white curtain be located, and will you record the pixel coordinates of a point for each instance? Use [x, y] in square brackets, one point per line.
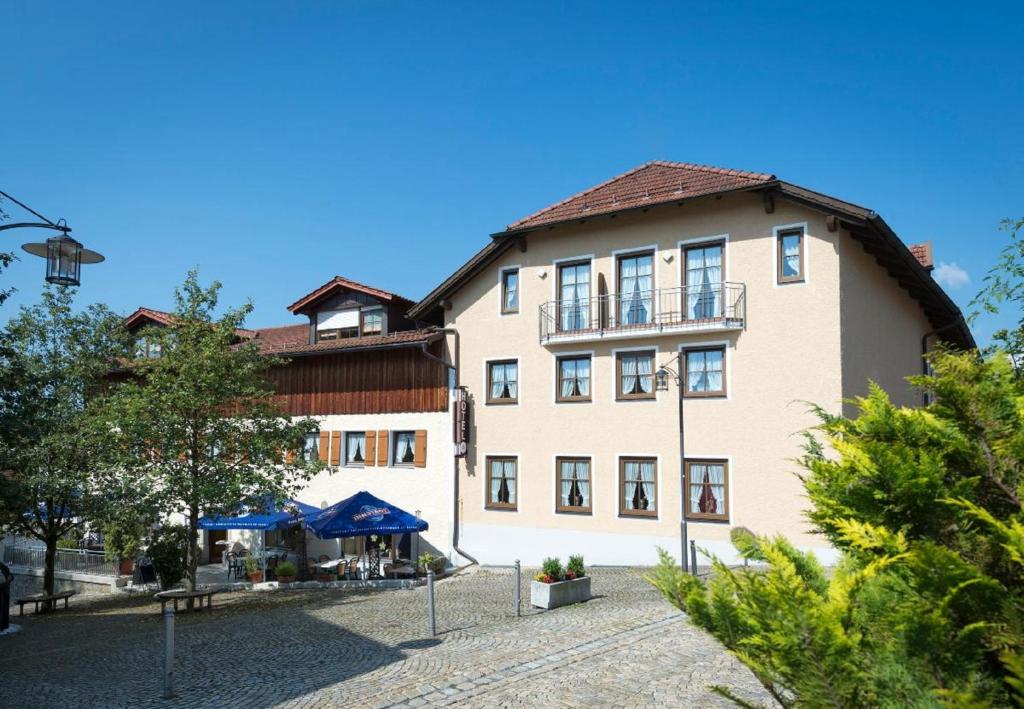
[704, 283]
[696, 380]
[645, 371]
[647, 480]
[713, 369]
[707, 488]
[791, 255]
[568, 377]
[635, 289]
[503, 475]
[639, 490]
[405, 445]
[511, 383]
[629, 375]
[574, 473]
[497, 381]
[583, 376]
[511, 290]
[356, 452]
[574, 296]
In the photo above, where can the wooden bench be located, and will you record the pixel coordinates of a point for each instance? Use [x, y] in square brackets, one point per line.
[166, 597]
[42, 598]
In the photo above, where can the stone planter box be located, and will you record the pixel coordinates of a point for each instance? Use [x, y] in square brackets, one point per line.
[562, 593]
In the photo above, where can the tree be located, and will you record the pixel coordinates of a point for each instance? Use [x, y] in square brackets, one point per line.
[196, 431]
[1004, 285]
[6, 258]
[927, 603]
[51, 361]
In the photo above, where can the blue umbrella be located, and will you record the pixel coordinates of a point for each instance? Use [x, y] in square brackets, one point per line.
[362, 515]
[287, 514]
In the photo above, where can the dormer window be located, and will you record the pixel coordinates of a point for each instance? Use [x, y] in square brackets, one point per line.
[373, 322]
[146, 349]
[337, 324]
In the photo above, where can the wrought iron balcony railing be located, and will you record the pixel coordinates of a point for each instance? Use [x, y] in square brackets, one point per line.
[713, 306]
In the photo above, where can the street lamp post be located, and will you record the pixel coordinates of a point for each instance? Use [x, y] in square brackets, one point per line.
[64, 255]
[661, 378]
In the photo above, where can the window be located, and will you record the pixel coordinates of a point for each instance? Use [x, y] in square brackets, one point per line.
[311, 449]
[790, 256]
[636, 289]
[403, 448]
[337, 324]
[705, 372]
[147, 349]
[703, 281]
[503, 382]
[501, 483]
[635, 375]
[573, 378]
[510, 290]
[706, 489]
[373, 322]
[573, 493]
[574, 296]
[638, 483]
[355, 449]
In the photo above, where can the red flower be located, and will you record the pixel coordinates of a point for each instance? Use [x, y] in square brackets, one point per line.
[569, 575]
[548, 579]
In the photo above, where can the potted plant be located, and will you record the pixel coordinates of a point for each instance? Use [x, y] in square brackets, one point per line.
[555, 586]
[122, 541]
[286, 571]
[253, 569]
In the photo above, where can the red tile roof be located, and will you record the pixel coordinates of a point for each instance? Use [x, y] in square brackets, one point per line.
[655, 182]
[923, 253]
[141, 315]
[339, 283]
[288, 340]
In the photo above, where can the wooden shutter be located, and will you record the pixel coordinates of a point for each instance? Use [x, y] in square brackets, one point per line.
[335, 447]
[420, 455]
[382, 448]
[371, 449]
[289, 456]
[325, 443]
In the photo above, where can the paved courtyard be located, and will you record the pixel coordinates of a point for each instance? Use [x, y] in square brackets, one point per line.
[626, 647]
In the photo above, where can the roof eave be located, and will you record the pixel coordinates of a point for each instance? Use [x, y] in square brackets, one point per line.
[411, 344]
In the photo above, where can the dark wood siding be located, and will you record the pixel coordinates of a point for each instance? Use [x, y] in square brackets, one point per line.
[375, 382]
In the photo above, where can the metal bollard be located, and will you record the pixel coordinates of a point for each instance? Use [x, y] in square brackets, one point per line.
[516, 594]
[168, 652]
[693, 556]
[430, 603]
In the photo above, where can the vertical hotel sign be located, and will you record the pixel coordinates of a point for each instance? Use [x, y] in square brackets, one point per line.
[461, 422]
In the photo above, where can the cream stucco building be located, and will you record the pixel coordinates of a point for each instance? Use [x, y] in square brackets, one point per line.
[762, 297]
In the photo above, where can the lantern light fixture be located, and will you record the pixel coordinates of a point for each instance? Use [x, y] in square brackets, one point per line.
[64, 255]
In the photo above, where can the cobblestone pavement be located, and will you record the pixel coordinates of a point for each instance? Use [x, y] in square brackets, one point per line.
[626, 647]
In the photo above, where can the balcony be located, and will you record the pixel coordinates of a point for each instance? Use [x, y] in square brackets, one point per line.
[700, 308]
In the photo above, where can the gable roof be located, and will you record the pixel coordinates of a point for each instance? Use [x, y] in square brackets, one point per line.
[145, 316]
[337, 284]
[662, 183]
[654, 182]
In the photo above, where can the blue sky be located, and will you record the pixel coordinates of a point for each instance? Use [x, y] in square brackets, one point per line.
[277, 144]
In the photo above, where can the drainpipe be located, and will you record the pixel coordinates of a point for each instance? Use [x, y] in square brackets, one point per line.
[455, 369]
[924, 349]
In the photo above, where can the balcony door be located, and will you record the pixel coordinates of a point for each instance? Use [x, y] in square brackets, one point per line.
[703, 279]
[636, 289]
[574, 296]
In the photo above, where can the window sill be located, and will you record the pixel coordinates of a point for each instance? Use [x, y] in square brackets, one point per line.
[501, 508]
[575, 400]
[581, 511]
[639, 515]
[501, 402]
[710, 395]
[635, 398]
[714, 520]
